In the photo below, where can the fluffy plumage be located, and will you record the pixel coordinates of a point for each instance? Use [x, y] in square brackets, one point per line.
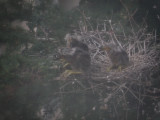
[117, 55]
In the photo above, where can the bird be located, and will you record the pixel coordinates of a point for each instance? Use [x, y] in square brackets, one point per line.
[76, 55]
[117, 55]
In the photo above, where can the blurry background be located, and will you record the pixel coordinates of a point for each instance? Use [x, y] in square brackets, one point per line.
[30, 32]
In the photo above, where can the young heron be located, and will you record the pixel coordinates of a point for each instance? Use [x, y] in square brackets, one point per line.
[117, 55]
[77, 58]
[76, 54]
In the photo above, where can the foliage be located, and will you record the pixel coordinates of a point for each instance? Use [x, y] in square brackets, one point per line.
[28, 74]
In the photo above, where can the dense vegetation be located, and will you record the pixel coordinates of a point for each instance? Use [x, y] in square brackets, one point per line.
[27, 67]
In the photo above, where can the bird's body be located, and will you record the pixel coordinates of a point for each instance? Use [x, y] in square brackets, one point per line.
[76, 57]
[117, 55]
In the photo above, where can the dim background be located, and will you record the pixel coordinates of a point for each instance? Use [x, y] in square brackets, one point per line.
[30, 33]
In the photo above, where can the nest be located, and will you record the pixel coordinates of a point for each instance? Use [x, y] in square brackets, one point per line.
[140, 47]
[135, 80]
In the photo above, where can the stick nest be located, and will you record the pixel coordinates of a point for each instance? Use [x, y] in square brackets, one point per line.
[135, 80]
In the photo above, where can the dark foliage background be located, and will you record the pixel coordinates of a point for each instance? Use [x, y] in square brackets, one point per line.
[27, 68]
